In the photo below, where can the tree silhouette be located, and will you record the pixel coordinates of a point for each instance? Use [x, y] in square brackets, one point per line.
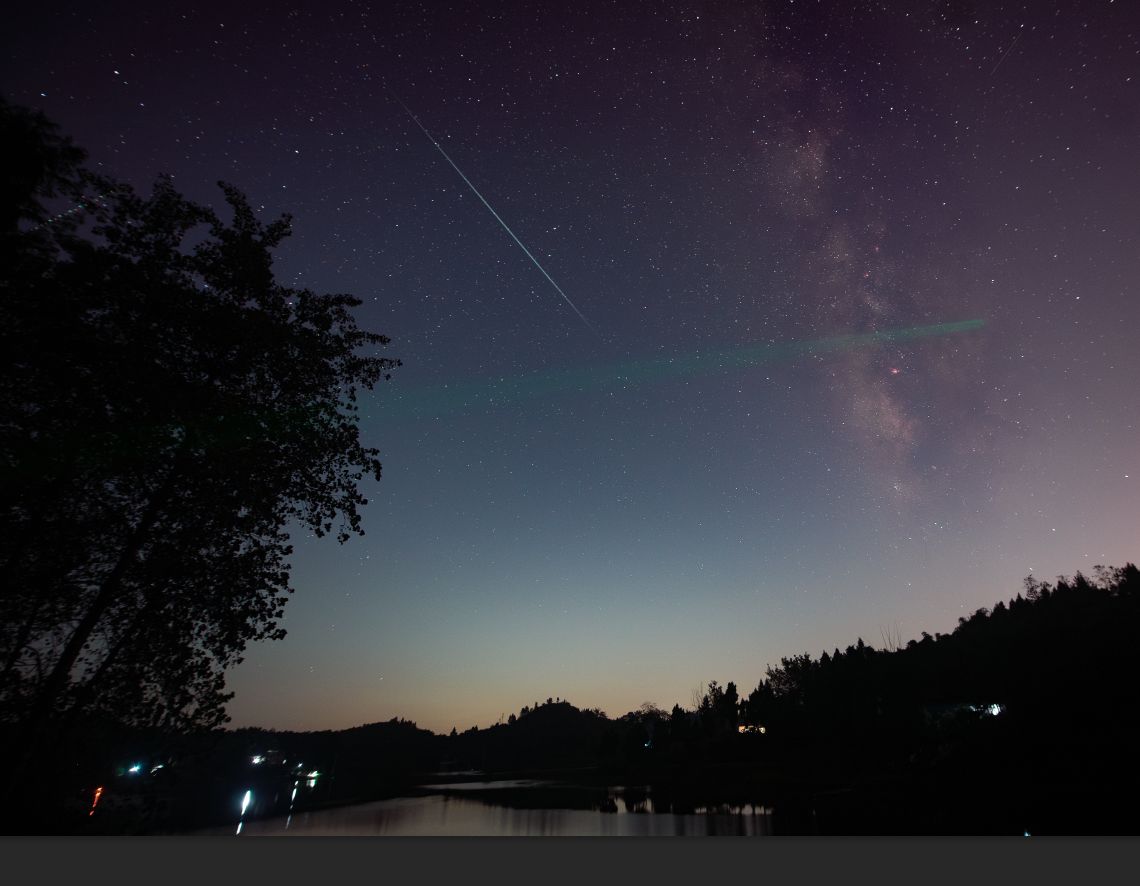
[169, 409]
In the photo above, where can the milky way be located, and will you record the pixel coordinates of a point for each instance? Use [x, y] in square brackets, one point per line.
[706, 179]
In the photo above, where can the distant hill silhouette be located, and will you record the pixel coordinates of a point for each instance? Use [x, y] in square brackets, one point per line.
[1031, 703]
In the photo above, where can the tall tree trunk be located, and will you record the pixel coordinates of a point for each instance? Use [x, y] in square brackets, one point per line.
[29, 533]
[91, 685]
[22, 638]
[57, 682]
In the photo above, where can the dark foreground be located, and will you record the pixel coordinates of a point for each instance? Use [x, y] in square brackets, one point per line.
[963, 793]
[1023, 720]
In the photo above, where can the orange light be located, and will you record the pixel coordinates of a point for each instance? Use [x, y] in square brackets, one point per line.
[95, 802]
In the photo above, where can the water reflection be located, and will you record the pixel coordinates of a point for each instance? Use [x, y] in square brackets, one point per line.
[518, 810]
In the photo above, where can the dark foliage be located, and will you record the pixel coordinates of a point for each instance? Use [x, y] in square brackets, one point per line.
[1059, 655]
[554, 735]
[1020, 718]
[168, 409]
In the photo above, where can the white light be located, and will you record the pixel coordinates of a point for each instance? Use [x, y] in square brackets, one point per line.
[314, 774]
[136, 768]
[245, 801]
[256, 760]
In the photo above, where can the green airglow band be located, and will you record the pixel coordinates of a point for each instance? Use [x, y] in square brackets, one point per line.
[506, 390]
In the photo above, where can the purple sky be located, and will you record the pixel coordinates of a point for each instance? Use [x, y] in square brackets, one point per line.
[694, 177]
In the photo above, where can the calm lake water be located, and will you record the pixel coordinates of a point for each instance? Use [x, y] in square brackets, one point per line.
[513, 809]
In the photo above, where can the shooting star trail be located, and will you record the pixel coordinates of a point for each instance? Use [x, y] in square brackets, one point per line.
[1007, 52]
[491, 209]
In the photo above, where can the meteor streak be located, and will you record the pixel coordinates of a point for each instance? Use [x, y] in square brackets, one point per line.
[1007, 52]
[491, 209]
[513, 389]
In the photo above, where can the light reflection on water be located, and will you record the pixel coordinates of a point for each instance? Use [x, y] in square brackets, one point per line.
[443, 815]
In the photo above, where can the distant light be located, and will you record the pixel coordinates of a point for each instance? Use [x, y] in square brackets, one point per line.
[156, 768]
[238, 831]
[95, 802]
[256, 759]
[994, 709]
[1028, 834]
[314, 774]
[135, 769]
[763, 730]
[245, 801]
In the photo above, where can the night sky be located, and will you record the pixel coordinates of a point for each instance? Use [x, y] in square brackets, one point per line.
[693, 477]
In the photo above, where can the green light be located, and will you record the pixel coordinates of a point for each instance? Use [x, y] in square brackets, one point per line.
[492, 392]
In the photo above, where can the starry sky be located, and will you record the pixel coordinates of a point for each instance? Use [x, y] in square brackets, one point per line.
[671, 448]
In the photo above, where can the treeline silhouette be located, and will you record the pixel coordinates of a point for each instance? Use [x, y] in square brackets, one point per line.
[1023, 716]
[168, 410]
[1056, 659]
